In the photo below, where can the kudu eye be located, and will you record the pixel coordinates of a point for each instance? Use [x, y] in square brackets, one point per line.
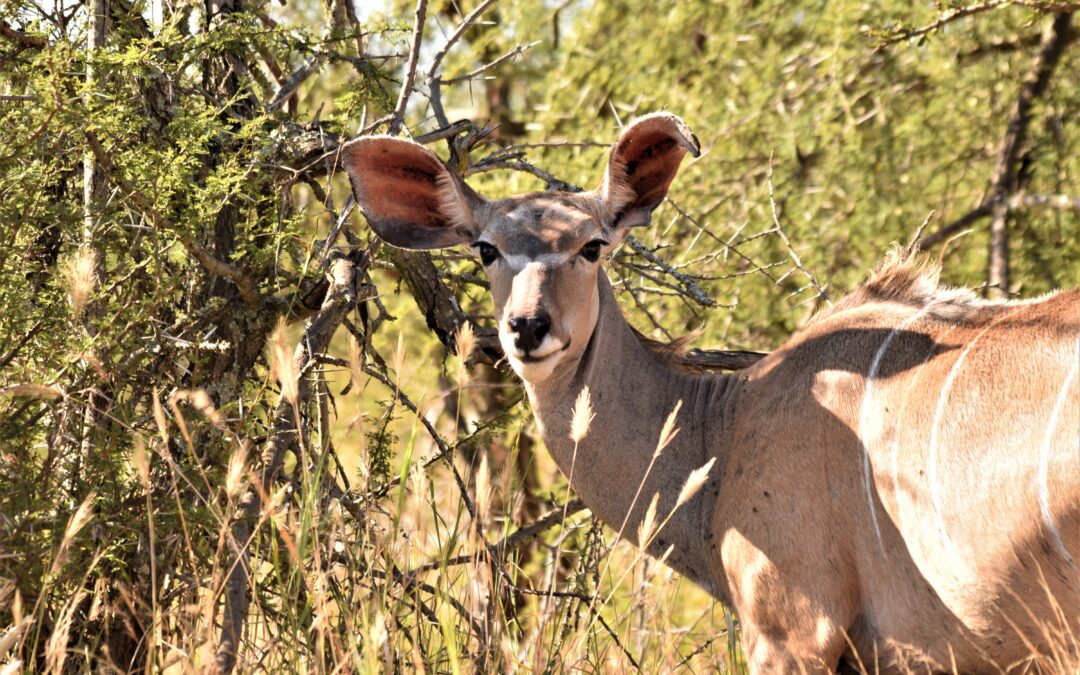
[591, 251]
[488, 253]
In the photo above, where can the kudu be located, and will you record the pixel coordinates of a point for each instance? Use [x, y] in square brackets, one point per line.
[898, 485]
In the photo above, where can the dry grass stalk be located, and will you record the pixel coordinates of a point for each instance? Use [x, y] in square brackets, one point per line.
[356, 366]
[399, 357]
[483, 488]
[79, 519]
[29, 389]
[56, 647]
[12, 635]
[201, 401]
[648, 523]
[160, 420]
[140, 461]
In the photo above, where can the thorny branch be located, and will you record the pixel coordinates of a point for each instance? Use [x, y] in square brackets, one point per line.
[957, 13]
[795, 259]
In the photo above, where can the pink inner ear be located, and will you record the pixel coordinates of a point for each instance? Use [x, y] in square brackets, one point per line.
[396, 182]
[651, 164]
[403, 194]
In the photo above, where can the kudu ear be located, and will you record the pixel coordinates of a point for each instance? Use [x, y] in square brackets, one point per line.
[643, 163]
[408, 195]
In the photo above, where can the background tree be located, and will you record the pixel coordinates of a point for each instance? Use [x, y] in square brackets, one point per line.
[225, 441]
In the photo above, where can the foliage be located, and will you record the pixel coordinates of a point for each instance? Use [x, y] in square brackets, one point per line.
[170, 193]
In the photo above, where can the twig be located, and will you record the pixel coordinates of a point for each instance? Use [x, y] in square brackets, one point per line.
[516, 51]
[787, 242]
[913, 245]
[518, 538]
[498, 162]
[398, 118]
[248, 290]
[433, 79]
[973, 216]
[954, 14]
[289, 87]
[442, 134]
[688, 284]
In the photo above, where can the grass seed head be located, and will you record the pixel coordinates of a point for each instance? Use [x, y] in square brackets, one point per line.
[282, 365]
[648, 523]
[82, 278]
[234, 479]
[669, 431]
[583, 416]
[694, 482]
[79, 519]
[483, 488]
[140, 461]
[465, 341]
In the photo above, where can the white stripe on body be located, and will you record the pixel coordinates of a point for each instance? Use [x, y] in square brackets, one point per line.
[866, 409]
[1044, 457]
[939, 410]
[895, 447]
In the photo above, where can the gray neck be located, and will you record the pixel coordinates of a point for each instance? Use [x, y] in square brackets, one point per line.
[632, 394]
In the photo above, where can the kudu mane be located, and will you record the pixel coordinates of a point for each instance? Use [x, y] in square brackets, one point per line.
[904, 276]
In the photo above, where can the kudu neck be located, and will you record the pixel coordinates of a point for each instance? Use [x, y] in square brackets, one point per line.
[632, 394]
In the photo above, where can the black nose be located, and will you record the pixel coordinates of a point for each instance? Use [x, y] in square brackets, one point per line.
[530, 331]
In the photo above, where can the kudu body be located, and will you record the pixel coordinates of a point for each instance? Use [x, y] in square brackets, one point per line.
[897, 485]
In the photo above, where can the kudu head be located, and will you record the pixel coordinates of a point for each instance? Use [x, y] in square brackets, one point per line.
[541, 251]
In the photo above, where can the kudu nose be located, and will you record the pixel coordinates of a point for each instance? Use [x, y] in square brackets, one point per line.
[530, 331]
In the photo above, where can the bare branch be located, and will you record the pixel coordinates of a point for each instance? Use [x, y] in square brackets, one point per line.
[954, 14]
[289, 87]
[516, 51]
[688, 284]
[433, 79]
[1005, 177]
[20, 37]
[398, 118]
[1055, 202]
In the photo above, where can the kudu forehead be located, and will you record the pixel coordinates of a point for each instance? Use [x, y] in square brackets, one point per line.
[544, 222]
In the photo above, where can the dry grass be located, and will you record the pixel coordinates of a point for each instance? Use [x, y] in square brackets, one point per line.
[366, 569]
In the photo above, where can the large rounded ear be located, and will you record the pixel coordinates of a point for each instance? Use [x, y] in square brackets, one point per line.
[408, 195]
[643, 163]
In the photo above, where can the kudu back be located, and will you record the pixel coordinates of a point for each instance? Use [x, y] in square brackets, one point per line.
[897, 486]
